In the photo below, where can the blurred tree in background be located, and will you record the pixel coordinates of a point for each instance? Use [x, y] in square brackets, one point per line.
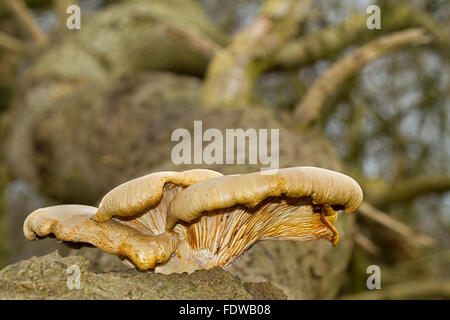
[84, 110]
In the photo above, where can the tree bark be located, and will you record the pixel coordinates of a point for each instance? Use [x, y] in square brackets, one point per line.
[309, 108]
[234, 70]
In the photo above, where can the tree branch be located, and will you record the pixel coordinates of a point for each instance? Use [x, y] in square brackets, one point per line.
[366, 244]
[11, 43]
[26, 18]
[195, 40]
[328, 42]
[310, 106]
[409, 189]
[234, 70]
[422, 289]
[398, 227]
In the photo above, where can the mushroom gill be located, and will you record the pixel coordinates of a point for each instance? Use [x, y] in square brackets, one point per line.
[198, 219]
[221, 218]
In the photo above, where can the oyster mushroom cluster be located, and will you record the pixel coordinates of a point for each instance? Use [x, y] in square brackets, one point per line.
[198, 219]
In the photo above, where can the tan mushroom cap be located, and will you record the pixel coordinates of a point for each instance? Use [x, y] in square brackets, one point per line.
[75, 223]
[138, 195]
[322, 185]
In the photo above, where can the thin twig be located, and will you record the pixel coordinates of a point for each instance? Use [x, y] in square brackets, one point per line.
[366, 244]
[398, 227]
[26, 17]
[203, 45]
[11, 43]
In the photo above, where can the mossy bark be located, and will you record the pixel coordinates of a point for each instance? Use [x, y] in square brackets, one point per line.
[47, 278]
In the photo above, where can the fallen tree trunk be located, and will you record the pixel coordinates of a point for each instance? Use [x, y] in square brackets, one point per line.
[47, 277]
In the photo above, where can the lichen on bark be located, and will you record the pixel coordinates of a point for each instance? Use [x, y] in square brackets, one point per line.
[46, 278]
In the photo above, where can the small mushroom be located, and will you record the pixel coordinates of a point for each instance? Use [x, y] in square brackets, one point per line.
[198, 219]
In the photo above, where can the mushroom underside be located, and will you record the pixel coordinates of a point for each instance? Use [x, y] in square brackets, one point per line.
[220, 237]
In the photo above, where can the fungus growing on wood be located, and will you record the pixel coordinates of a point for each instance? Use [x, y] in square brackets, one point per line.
[130, 221]
[198, 219]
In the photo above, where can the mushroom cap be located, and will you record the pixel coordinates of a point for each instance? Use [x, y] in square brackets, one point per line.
[75, 223]
[322, 185]
[139, 195]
